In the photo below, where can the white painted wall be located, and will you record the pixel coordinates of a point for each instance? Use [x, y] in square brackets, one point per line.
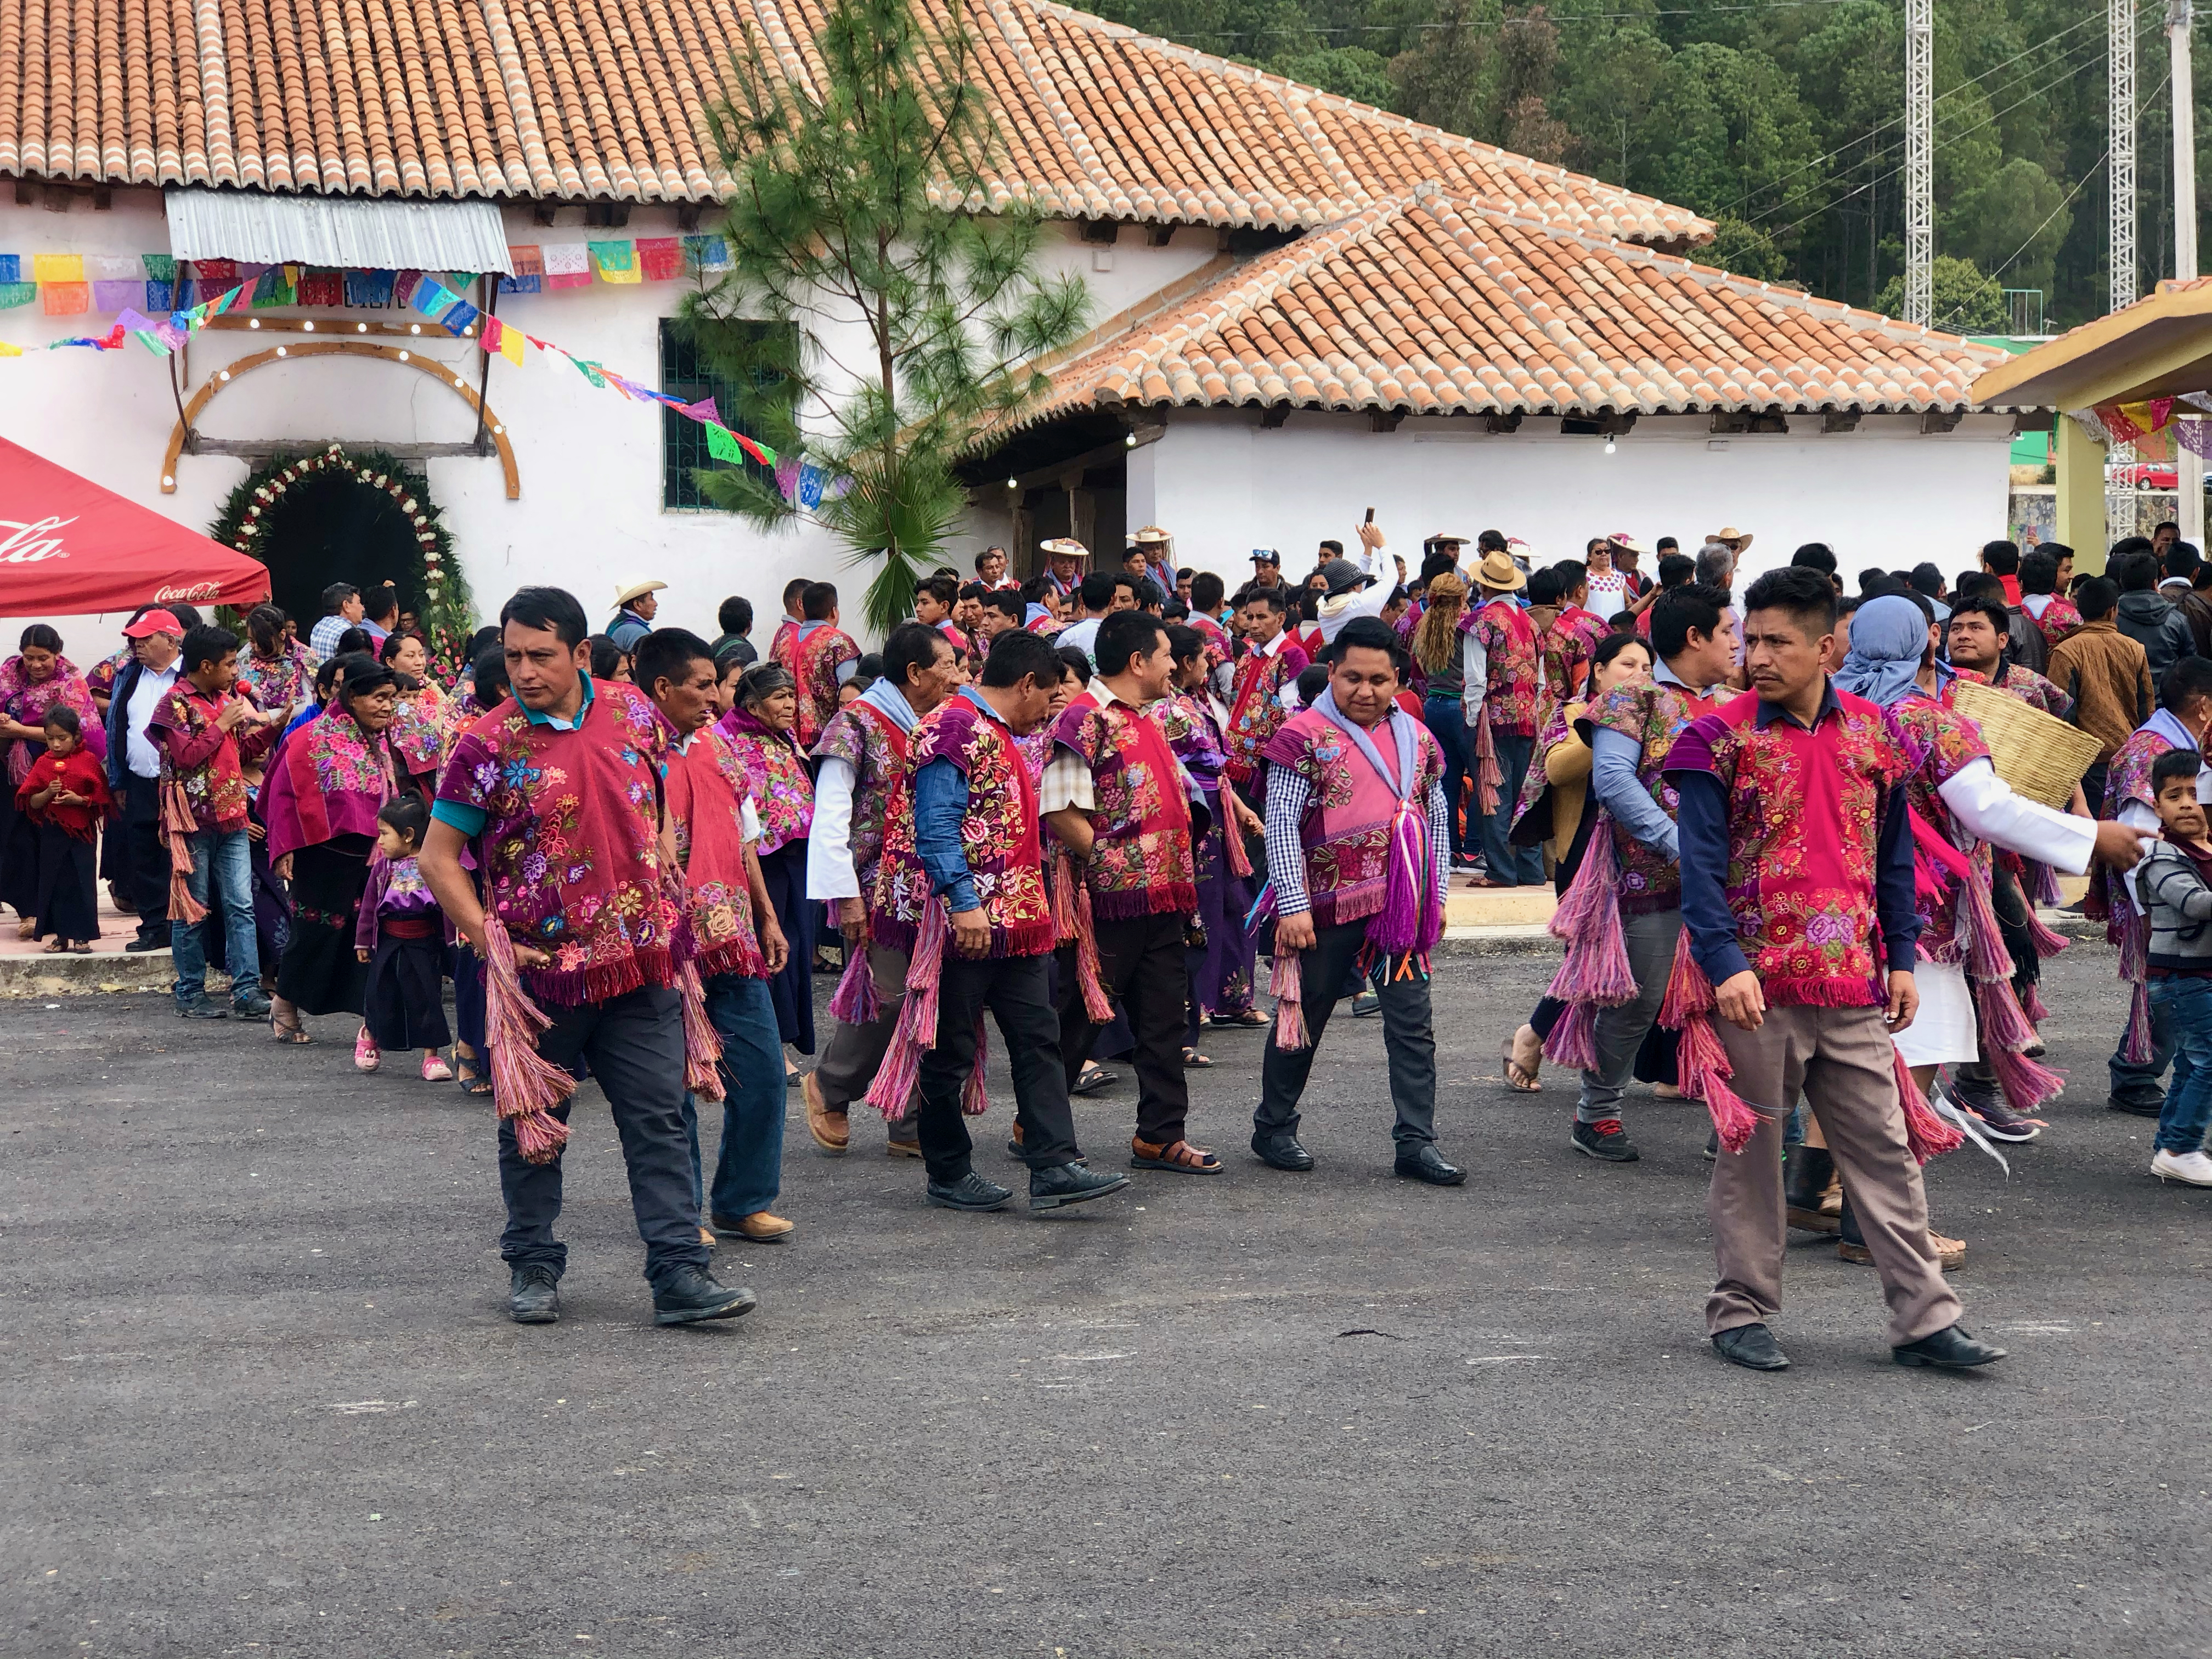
[590, 512]
[1883, 494]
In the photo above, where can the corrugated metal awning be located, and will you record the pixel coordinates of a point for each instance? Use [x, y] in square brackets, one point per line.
[342, 232]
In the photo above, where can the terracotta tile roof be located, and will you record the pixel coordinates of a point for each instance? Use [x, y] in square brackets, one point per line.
[1428, 306]
[604, 99]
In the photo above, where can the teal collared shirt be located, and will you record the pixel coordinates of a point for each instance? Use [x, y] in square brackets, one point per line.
[469, 820]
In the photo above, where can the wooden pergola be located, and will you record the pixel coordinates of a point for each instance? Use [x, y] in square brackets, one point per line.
[2158, 347]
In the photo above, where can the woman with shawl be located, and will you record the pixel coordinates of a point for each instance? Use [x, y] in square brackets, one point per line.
[760, 731]
[324, 785]
[36, 679]
[275, 671]
[422, 728]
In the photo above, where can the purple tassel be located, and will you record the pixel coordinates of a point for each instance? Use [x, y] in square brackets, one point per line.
[892, 1092]
[2136, 1048]
[2006, 1034]
[1596, 968]
[1573, 1039]
[856, 1002]
[2047, 943]
[2031, 1005]
[2045, 888]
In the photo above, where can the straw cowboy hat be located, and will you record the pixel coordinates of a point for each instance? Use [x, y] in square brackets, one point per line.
[1498, 572]
[1063, 547]
[1151, 536]
[637, 590]
[1738, 539]
[1620, 541]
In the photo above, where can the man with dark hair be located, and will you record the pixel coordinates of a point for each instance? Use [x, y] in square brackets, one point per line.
[1004, 610]
[1351, 762]
[2183, 720]
[994, 570]
[1804, 786]
[1100, 594]
[822, 658]
[1570, 639]
[2001, 560]
[1816, 555]
[342, 609]
[735, 618]
[134, 770]
[2143, 614]
[1501, 666]
[380, 612]
[1272, 660]
[2163, 535]
[1117, 803]
[795, 613]
[934, 599]
[961, 887]
[207, 733]
[575, 762]
[2108, 677]
[2178, 560]
[1976, 641]
[1629, 734]
[2195, 601]
[860, 759]
[713, 822]
[1927, 580]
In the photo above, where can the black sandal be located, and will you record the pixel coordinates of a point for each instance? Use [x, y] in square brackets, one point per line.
[468, 1075]
[1091, 1078]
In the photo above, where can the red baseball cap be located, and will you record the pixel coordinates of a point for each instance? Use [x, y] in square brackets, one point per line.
[154, 622]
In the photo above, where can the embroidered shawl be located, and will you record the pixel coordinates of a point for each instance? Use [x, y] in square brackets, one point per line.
[1347, 828]
[776, 776]
[1140, 862]
[327, 779]
[280, 684]
[1509, 665]
[705, 807]
[1256, 714]
[1805, 816]
[2030, 687]
[2060, 617]
[215, 786]
[420, 736]
[1942, 744]
[571, 842]
[24, 699]
[1569, 644]
[1654, 714]
[869, 741]
[815, 657]
[1005, 858]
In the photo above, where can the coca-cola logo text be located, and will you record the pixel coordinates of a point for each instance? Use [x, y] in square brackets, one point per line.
[22, 543]
[188, 591]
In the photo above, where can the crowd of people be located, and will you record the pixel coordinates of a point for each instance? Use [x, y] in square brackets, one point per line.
[1793, 885]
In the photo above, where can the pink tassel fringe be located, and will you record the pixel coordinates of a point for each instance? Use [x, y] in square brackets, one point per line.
[524, 1086]
[1573, 1041]
[1701, 1060]
[1596, 969]
[856, 1002]
[892, 1093]
[1488, 778]
[1088, 969]
[1233, 845]
[1926, 1135]
[2137, 1049]
[179, 824]
[1289, 1010]
[703, 1044]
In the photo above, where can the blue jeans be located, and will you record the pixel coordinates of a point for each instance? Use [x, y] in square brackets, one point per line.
[1446, 718]
[2187, 1006]
[224, 856]
[748, 1173]
[1510, 866]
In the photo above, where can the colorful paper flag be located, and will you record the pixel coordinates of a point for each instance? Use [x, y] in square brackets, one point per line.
[459, 317]
[60, 298]
[568, 265]
[114, 295]
[58, 268]
[160, 294]
[369, 289]
[214, 273]
[158, 267]
[507, 341]
[660, 257]
[115, 268]
[11, 269]
[148, 332]
[616, 262]
[275, 287]
[433, 299]
[707, 252]
[529, 273]
[704, 410]
[6, 351]
[323, 287]
[725, 445]
[18, 294]
[589, 370]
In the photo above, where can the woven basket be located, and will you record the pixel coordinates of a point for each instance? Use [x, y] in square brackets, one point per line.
[2039, 754]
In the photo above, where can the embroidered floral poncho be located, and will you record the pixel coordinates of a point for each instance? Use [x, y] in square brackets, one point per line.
[1140, 862]
[26, 700]
[864, 739]
[280, 684]
[1654, 714]
[776, 776]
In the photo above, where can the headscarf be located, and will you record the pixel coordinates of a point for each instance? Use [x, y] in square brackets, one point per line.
[1889, 638]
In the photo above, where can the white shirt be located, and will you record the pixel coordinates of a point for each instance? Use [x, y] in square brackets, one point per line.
[139, 752]
[1608, 594]
[1987, 809]
[1083, 636]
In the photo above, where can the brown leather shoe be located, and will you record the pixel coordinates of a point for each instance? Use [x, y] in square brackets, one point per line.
[760, 1227]
[1950, 1253]
[832, 1132]
[902, 1149]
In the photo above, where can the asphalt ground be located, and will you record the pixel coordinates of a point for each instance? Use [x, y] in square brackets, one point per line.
[261, 1398]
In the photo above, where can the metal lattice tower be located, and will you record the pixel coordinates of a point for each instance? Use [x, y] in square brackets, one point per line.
[1919, 159]
[2120, 35]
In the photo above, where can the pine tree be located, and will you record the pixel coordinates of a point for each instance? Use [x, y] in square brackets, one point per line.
[882, 303]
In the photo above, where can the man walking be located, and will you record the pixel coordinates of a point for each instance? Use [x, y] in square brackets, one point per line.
[860, 758]
[1797, 889]
[560, 790]
[822, 658]
[1359, 856]
[961, 887]
[134, 770]
[1499, 655]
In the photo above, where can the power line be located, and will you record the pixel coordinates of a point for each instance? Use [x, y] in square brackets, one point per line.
[2064, 202]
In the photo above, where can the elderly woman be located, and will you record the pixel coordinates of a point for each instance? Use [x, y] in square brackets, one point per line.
[760, 728]
[37, 678]
[324, 785]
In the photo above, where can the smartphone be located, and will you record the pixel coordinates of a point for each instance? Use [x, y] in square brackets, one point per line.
[1371, 515]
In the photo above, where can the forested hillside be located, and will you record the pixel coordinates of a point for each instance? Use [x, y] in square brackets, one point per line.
[1780, 119]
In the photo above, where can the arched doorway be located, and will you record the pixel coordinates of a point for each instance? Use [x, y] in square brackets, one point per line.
[329, 516]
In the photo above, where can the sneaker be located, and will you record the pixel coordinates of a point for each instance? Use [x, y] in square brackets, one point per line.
[201, 1006]
[2000, 1123]
[367, 1056]
[434, 1069]
[2190, 1168]
[692, 1294]
[1606, 1140]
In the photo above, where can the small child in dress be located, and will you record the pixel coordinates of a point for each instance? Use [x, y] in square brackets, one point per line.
[401, 934]
[2175, 882]
[66, 797]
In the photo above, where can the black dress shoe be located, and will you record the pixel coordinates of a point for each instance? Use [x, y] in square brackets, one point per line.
[692, 1294]
[2153, 1107]
[533, 1295]
[970, 1191]
[1071, 1184]
[1428, 1165]
[1283, 1152]
[1953, 1348]
[148, 942]
[1752, 1347]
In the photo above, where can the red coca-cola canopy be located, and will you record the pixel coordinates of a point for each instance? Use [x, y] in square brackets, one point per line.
[69, 548]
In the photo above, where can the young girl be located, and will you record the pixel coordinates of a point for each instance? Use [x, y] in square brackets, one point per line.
[65, 796]
[401, 935]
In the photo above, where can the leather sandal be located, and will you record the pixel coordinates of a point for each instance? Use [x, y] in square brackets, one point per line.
[1180, 1157]
[1518, 1077]
[1195, 1061]
[291, 1031]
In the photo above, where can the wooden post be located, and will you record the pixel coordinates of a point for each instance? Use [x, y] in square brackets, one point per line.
[2080, 471]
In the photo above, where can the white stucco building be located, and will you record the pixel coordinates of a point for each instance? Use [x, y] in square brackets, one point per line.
[1305, 307]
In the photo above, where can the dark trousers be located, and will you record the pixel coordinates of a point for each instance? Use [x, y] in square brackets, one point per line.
[1510, 866]
[1013, 989]
[1140, 963]
[145, 853]
[2138, 1083]
[2093, 785]
[1409, 1041]
[634, 1044]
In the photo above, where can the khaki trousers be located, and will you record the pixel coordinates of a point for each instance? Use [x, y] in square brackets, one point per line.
[1841, 1058]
